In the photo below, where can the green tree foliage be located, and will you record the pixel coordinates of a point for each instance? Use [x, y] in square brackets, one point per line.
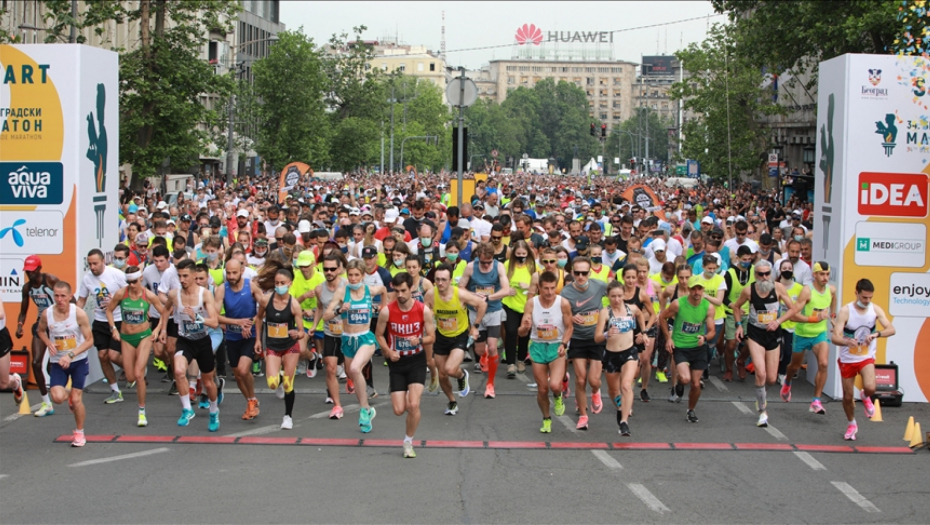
[727, 93]
[634, 130]
[293, 125]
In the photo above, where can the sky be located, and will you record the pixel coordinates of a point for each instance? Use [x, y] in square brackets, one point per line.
[480, 24]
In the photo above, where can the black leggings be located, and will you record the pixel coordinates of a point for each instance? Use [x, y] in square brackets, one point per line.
[515, 346]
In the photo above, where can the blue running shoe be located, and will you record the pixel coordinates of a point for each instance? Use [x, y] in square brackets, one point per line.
[186, 416]
[365, 417]
[214, 421]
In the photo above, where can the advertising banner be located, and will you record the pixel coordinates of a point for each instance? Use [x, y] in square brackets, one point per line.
[291, 175]
[871, 200]
[59, 165]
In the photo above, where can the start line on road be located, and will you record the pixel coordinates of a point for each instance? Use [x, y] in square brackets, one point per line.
[493, 445]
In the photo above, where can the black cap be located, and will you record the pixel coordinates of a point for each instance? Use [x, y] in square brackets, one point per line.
[186, 217]
[716, 231]
[215, 222]
[369, 252]
[582, 243]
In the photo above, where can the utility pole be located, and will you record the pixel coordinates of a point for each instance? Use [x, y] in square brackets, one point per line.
[461, 132]
[392, 101]
[382, 146]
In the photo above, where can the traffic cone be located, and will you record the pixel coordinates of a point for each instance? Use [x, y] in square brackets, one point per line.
[909, 430]
[24, 409]
[917, 438]
[877, 417]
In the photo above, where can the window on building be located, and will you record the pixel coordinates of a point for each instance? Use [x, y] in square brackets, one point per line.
[432, 66]
[510, 80]
[603, 104]
[603, 116]
[402, 68]
[618, 81]
[589, 70]
[590, 94]
[616, 104]
[590, 81]
[617, 93]
[577, 70]
[419, 66]
[383, 66]
[524, 80]
[603, 92]
[616, 116]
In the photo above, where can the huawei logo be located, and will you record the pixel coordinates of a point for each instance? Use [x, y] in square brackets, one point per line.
[529, 33]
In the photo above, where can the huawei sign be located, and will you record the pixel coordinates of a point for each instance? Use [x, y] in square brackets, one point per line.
[529, 33]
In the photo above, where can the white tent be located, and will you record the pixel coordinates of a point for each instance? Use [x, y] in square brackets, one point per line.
[590, 166]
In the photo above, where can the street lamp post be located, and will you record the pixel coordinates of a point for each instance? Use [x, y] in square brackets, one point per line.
[619, 147]
[230, 145]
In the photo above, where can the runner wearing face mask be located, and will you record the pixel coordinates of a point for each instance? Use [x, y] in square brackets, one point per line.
[802, 270]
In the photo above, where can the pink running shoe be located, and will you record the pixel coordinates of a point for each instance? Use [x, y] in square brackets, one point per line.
[868, 406]
[817, 408]
[786, 392]
[336, 413]
[79, 440]
[596, 403]
[851, 432]
[582, 423]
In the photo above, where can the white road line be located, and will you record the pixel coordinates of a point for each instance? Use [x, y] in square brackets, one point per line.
[267, 429]
[855, 497]
[347, 409]
[569, 424]
[648, 498]
[607, 459]
[3, 476]
[718, 384]
[119, 458]
[742, 407]
[14, 417]
[775, 433]
[811, 462]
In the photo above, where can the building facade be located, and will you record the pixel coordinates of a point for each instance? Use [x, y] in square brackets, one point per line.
[413, 60]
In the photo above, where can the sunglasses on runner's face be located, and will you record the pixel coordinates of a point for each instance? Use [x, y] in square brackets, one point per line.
[579, 273]
[330, 268]
[764, 274]
[548, 261]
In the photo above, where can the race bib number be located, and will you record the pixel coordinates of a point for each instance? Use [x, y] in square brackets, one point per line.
[486, 290]
[277, 330]
[193, 327]
[691, 328]
[402, 344]
[359, 316]
[234, 329]
[133, 316]
[589, 318]
[450, 324]
[766, 317]
[335, 327]
[547, 332]
[65, 343]
[860, 349]
[623, 324]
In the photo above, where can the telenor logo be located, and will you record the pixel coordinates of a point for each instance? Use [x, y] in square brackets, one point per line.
[893, 194]
[31, 183]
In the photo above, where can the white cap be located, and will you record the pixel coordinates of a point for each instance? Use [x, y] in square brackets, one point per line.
[657, 245]
[161, 205]
[707, 220]
[303, 226]
[354, 211]
[390, 215]
[243, 213]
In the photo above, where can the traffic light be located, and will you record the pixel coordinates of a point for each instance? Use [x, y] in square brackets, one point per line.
[593, 134]
[633, 163]
[603, 130]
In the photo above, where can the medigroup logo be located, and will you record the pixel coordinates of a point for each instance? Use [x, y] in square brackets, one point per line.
[893, 194]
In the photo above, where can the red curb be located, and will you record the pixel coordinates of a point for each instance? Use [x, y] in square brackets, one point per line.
[207, 440]
[268, 440]
[454, 444]
[824, 448]
[885, 450]
[331, 442]
[763, 446]
[382, 442]
[641, 446]
[516, 444]
[702, 446]
[579, 445]
[145, 439]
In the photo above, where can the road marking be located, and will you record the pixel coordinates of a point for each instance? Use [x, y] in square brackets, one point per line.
[3, 476]
[14, 417]
[267, 429]
[775, 433]
[855, 497]
[120, 458]
[348, 409]
[718, 384]
[569, 424]
[607, 459]
[648, 498]
[742, 407]
[811, 462]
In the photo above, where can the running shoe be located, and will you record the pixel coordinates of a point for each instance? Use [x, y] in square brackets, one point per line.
[279, 392]
[173, 389]
[781, 379]
[79, 440]
[328, 401]
[159, 365]
[220, 387]
[521, 367]
[866, 404]
[311, 369]
[18, 391]
[566, 389]
[341, 372]
[257, 369]
[763, 420]
[255, 404]
[624, 428]
[644, 396]
[143, 422]
[786, 392]
[365, 416]
[661, 377]
[674, 397]
[596, 403]
[433, 385]
[186, 415]
[464, 388]
[350, 387]
[302, 367]
[287, 423]
[489, 392]
[204, 402]
[214, 424]
[706, 375]
[582, 423]
[467, 358]
[817, 408]
[559, 407]
[692, 417]
[851, 431]
[408, 450]
[336, 413]
[130, 385]
[547, 426]
[47, 410]
[115, 397]
[452, 408]
[511, 371]
[372, 393]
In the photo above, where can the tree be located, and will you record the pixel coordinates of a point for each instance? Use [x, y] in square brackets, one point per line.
[727, 93]
[293, 123]
[627, 139]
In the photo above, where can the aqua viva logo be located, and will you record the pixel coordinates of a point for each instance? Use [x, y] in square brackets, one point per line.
[31, 183]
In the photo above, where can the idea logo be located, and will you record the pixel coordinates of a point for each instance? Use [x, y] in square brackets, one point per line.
[893, 194]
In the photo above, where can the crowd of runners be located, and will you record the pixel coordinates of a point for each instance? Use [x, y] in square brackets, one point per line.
[564, 276]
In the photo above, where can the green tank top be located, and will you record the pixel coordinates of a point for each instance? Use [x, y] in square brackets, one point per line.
[134, 311]
[793, 292]
[690, 323]
[819, 302]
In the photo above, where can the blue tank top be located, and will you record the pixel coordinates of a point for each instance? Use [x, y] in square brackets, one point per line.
[42, 296]
[239, 305]
[359, 312]
[486, 283]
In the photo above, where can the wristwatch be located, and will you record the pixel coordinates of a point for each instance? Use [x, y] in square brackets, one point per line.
[71, 355]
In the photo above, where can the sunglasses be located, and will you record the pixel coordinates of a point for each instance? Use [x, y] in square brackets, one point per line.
[548, 261]
[493, 238]
[579, 273]
[330, 269]
[132, 282]
[485, 263]
[764, 274]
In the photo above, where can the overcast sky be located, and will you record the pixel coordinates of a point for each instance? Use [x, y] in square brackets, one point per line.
[479, 24]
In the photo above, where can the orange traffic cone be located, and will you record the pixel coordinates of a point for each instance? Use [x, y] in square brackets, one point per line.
[877, 417]
[24, 409]
[909, 430]
[917, 438]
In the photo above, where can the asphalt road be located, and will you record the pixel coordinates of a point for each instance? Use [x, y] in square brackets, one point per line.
[478, 472]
